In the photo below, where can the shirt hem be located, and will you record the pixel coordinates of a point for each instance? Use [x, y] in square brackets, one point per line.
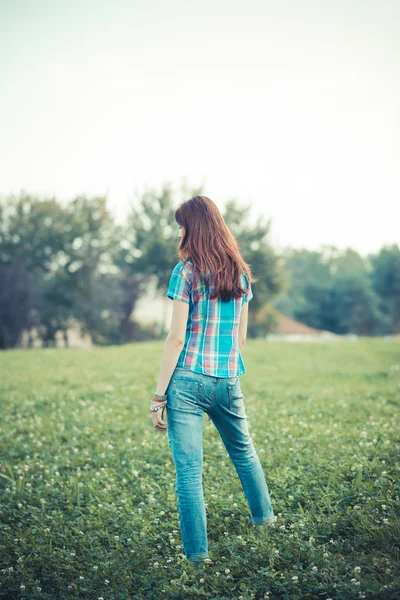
[197, 369]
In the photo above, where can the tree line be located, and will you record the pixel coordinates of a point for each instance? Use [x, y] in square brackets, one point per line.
[65, 263]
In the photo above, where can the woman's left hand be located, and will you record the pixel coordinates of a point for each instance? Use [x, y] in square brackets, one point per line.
[157, 419]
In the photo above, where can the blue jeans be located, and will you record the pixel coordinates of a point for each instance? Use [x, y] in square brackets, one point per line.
[189, 395]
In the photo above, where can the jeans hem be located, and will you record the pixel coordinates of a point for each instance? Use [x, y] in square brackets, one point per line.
[262, 520]
[197, 557]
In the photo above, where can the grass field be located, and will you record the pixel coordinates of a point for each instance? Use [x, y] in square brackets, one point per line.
[88, 508]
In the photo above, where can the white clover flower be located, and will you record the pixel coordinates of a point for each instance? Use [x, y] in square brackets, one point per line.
[357, 569]
[227, 571]
[315, 569]
[295, 578]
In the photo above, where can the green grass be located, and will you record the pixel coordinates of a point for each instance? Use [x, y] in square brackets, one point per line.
[88, 507]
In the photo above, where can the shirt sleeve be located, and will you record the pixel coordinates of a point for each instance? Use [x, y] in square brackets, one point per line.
[249, 295]
[179, 284]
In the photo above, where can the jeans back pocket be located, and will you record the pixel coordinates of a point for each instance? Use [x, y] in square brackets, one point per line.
[185, 393]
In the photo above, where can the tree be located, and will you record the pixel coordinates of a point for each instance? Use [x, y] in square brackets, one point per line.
[330, 289]
[147, 249]
[256, 249]
[31, 236]
[67, 252]
[385, 278]
[15, 294]
[303, 268]
[88, 263]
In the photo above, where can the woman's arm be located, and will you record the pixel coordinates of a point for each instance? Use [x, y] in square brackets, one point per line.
[170, 355]
[244, 313]
[173, 344]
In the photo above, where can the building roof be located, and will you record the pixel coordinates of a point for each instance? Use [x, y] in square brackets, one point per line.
[288, 325]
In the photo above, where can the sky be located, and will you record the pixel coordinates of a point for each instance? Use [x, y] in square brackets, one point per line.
[292, 107]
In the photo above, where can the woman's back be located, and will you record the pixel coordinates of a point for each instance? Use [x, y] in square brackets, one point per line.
[211, 342]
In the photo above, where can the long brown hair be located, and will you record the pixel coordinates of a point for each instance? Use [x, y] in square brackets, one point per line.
[212, 248]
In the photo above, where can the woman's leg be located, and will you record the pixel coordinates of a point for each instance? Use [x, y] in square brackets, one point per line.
[185, 432]
[228, 414]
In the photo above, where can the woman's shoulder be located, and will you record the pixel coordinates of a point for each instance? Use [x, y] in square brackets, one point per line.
[183, 267]
[187, 264]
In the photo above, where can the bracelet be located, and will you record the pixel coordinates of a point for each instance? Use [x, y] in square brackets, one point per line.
[156, 406]
[158, 401]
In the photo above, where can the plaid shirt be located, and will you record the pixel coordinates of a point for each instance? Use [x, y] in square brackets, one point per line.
[211, 343]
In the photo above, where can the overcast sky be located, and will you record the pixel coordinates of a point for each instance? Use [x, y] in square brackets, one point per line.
[292, 106]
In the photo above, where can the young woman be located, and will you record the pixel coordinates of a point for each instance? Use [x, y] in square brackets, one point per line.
[201, 365]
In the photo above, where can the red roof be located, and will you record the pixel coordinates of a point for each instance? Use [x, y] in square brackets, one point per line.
[289, 325]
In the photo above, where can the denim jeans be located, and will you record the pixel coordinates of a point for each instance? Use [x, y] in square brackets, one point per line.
[189, 395]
